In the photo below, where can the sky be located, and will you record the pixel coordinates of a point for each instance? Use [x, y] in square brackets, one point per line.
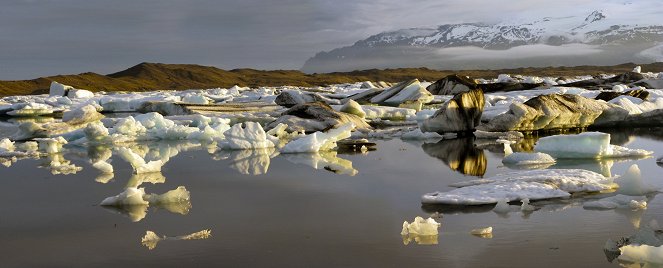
[49, 37]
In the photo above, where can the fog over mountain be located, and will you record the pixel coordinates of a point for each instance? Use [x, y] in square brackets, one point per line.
[606, 36]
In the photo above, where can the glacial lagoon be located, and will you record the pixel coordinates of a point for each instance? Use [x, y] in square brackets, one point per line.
[335, 209]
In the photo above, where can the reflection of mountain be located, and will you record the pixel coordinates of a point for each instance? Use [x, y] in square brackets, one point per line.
[459, 154]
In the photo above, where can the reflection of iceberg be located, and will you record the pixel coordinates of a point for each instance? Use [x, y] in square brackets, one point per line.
[642, 249]
[134, 202]
[252, 162]
[138, 163]
[601, 166]
[135, 213]
[152, 177]
[59, 165]
[151, 239]
[459, 154]
[176, 201]
[327, 160]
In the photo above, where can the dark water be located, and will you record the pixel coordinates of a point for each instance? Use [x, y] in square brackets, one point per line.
[296, 216]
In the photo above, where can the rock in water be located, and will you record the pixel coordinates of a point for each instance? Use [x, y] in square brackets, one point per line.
[403, 92]
[315, 116]
[460, 114]
[452, 84]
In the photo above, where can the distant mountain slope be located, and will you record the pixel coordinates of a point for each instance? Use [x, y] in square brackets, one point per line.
[159, 76]
[599, 37]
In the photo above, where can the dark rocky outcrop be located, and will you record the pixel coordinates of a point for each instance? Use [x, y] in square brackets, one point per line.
[609, 95]
[624, 78]
[508, 86]
[406, 91]
[289, 98]
[460, 114]
[315, 116]
[452, 84]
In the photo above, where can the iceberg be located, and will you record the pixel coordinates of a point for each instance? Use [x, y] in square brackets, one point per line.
[531, 184]
[422, 231]
[631, 183]
[618, 201]
[486, 232]
[129, 197]
[319, 141]
[244, 136]
[585, 145]
[525, 159]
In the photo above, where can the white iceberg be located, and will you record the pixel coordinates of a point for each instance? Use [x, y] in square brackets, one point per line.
[129, 197]
[522, 158]
[585, 145]
[631, 183]
[244, 136]
[486, 232]
[531, 184]
[422, 231]
[642, 254]
[319, 141]
[59, 90]
[51, 145]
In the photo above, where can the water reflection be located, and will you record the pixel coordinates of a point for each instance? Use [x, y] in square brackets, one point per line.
[151, 239]
[459, 154]
[252, 162]
[59, 165]
[323, 160]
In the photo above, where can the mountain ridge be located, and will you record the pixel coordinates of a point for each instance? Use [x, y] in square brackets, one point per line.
[599, 33]
[160, 76]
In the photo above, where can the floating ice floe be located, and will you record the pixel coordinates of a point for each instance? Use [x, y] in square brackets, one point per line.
[51, 145]
[526, 159]
[151, 239]
[176, 201]
[531, 184]
[323, 160]
[422, 231]
[416, 134]
[30, 109]
[585, 145]
[319, 141]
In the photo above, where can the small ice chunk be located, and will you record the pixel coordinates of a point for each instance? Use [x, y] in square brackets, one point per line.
[420, 227]
[95, 131]
[130, 196]
[79, 94]
[631, 183]
[482, 231]
[352, 107]
[6, 145]
[57, 89]
[525, 206]
[521, 158]
[180, 194]
[637, 69]
[417, 134]
[502, 206]
[618, 201]
[319, 141]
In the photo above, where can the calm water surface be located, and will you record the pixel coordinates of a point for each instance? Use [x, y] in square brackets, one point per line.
[291, 215]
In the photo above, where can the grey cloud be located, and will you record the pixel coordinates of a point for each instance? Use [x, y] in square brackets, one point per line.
[46, 37]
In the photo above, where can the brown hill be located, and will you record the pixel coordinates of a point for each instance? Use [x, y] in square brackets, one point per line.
[159, 76]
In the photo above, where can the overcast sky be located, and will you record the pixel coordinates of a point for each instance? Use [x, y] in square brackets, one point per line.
[47, 37]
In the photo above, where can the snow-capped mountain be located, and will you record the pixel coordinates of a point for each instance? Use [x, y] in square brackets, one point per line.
[595, 34]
